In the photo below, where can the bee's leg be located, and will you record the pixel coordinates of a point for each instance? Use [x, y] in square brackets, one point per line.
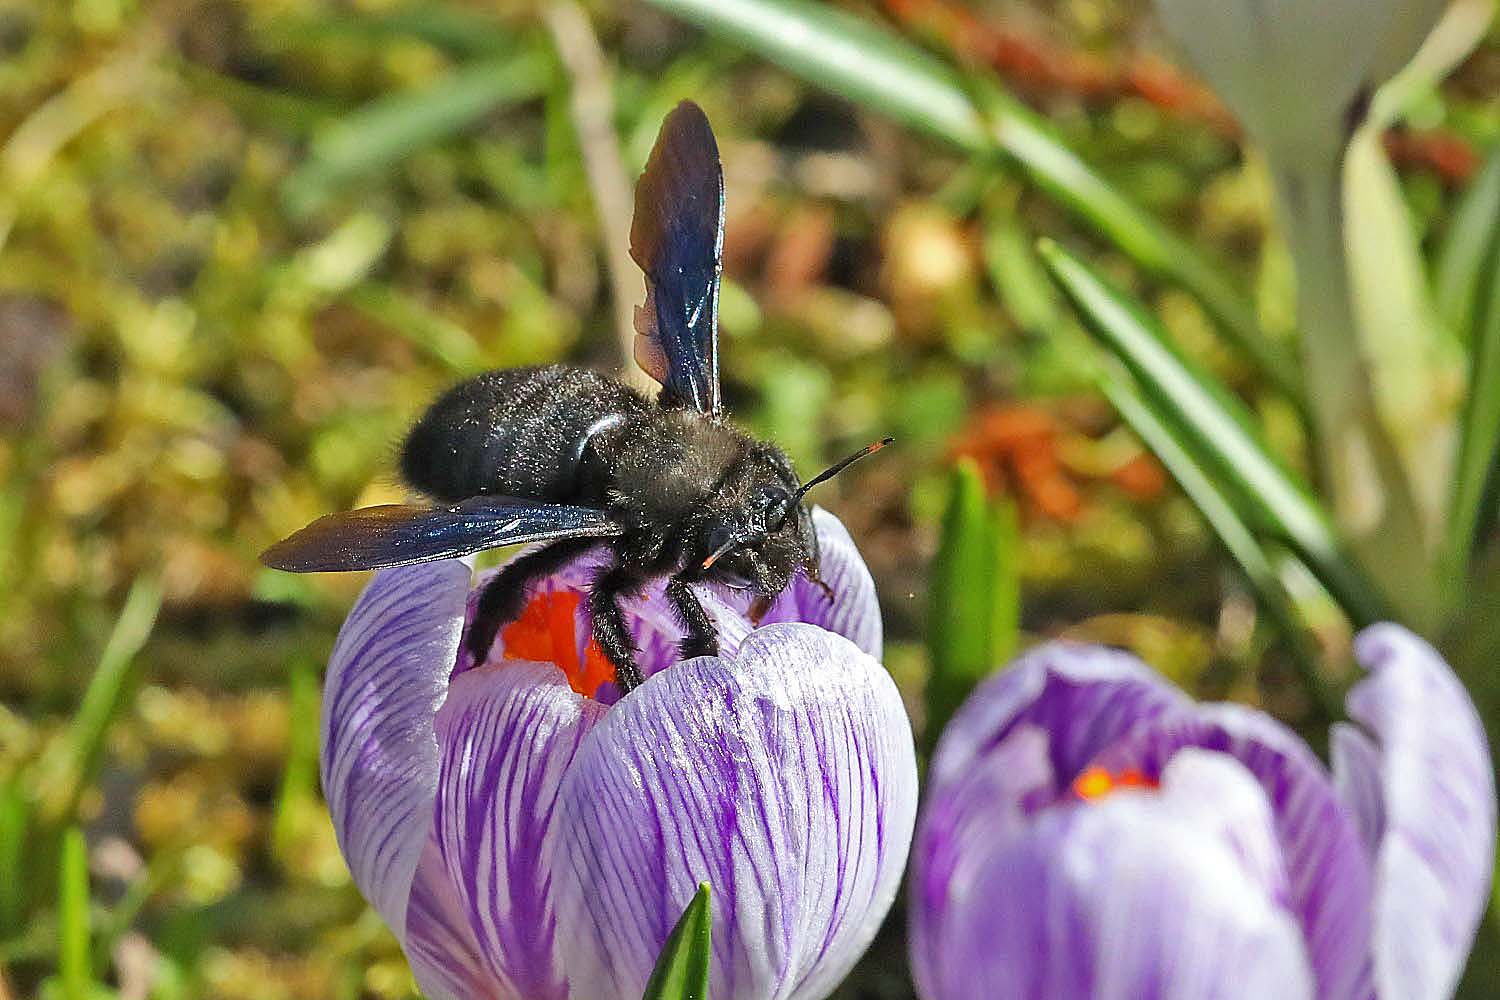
[817, 581]
[610, 584]
[759, 608]
[701, 638]
[504, 596]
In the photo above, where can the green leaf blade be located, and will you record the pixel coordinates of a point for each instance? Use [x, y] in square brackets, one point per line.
[1466, 257]
[1060, 172]
[297, 796]
[849, 56]
[105, 695]
[682, 970]
[973, 618]
[1231, 530]
[15, 818]
[1218, 429]
[1479, 432]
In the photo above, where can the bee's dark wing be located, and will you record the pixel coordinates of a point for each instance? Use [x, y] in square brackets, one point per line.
[402, 534]
[677, 238]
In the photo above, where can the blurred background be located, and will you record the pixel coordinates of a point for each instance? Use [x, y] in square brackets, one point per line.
[242, 244]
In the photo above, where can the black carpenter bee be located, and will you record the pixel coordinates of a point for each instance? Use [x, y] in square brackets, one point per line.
[572, 458]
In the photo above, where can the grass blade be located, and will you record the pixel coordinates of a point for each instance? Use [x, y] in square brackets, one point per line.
[873, 67]
[1233, 533]
[1407, 346]
[1466, 259]
[1218, 431]
[266, 107]
[849, 56]
[104, 696]
[1019, 279]
[75, 973]
[15, 817]
[390, 129]
[1057, 170]
[681, 972]
[1479, 431]
[452, 29]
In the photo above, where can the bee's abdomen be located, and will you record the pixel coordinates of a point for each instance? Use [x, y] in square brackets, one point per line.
[515, 432]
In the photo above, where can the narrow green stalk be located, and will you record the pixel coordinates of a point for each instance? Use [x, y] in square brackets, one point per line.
[1357, 462]
[105, 694]
[74, 970]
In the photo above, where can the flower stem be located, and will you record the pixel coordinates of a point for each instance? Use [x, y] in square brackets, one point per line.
[1357, 462]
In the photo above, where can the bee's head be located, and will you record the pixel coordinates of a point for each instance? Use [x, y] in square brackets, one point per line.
[757, 532]
[757, 536]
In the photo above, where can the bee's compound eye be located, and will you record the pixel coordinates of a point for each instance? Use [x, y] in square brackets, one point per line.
[771, 502]
[770, 496]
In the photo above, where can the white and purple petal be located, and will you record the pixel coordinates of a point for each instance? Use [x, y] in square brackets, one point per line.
[440, 946]
[963, 824]
[386, 679]
[1174, 893]
[508, 735]
[1420, 772]
[445, 780]
[1328, 870]
[785, 777]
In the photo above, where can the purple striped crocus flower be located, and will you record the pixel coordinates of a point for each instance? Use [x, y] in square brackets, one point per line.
[1090, 831]
[528, 834]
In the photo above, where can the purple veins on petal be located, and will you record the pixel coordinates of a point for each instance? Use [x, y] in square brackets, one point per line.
[440, 945]
[1423, 778]
[784, 777]
[1330, 876]
[508, 736]
[386, 678]
[1083, 697]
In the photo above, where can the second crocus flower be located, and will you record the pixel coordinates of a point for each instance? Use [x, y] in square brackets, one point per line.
[1090, 832]
[528, 834]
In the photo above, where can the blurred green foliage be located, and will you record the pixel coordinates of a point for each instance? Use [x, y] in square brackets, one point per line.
[243, 243]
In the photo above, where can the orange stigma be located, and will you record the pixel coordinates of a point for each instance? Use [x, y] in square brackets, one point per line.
[1095, 782]
[547, 632]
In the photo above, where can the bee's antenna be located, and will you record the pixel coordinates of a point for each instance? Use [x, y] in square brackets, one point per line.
[838, 467]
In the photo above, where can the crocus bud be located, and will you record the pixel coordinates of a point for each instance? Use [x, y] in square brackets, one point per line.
[1296, 71]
